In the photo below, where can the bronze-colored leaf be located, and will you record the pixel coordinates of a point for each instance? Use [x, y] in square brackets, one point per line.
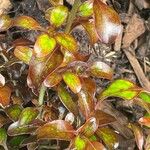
[107, 22]
[57, 129]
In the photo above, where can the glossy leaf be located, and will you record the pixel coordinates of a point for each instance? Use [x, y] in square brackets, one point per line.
[57, 15]
[89, 128]
[73, 81]
[57, 129]
[121, 88]
[145, 96]
[109, 137]
[13, 112]
[5, 22]
[101, 70]
[3, 138]
[2, 80]
[52, 79]
[67, 42]
[107, 22]
[103, 118]
[56, 2]
[139, 137]
[90, 29]
[15, 129]
[28, 115]
[86, 9]
[27, 22]
[23, 53]
[67, 100]
[44, 45]
[5, 93]
[40, 69]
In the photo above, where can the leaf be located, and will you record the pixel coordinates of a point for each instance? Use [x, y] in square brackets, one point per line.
[101, 70]
[145, 120]
[73, 81]
[103, 118]
[139, 137]
[27, 22]
[23, 53]
[67, 42]
[27, 115]
[22, 42]
[57, 15]
[90, 29]
[145, 96]
[44, 45]
[40, 69]
[57, 129]
[5, 93]
[147, 144]
[95, 146]
[85, 9]
[89, 128]
[121, 88]
[67, 100]
[5, 22]
[3, 138]
[2, 80]
[107, 22]
[109, 137]
[13, 112]
[4, 120]
[56, 2]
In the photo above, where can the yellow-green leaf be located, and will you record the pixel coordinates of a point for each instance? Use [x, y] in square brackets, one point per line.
[44, 45]
[145, 96]
[121, 88]
[57, 15]
[5, 22]
[73, 81]
[23, 53]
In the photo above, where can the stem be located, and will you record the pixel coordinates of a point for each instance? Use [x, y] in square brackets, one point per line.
[41, 95]
[72, 15]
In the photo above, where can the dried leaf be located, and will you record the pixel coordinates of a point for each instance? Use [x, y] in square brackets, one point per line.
[44, 45]
[5, 93]
[23, 53]
[2, 80]
[101, 70]
[56, 2]
[57, 15]
[109, 137]
[121, 88]
[73, 81]
[67, 42]
[67, 100]
[57, 129]
[5, 22]
[27, 22]
[13, 112]
[147, 144]
[107, 22]
[86, 9]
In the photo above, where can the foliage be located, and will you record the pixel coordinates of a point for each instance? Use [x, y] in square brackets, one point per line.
[55, 63]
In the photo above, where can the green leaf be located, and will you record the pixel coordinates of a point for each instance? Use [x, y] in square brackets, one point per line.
[73, 81]
[67, 100]
[145, 96]
[109, 137]
[121, 88]
[57, 129]
[107, 22]
[13, 112]
[28, 115]
[27, 22]
[5, 22]
[40, 69]
[44, 45]
[3, 138]
[23, 53]
[80, 143]
[101, 70]
[86, 9]
[67, 42]
[57, 15]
